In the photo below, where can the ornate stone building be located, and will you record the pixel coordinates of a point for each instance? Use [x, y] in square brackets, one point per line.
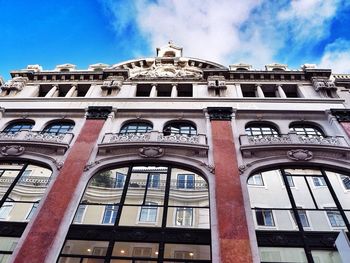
[174, 159]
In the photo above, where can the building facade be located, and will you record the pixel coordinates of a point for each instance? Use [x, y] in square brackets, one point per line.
[174, 159]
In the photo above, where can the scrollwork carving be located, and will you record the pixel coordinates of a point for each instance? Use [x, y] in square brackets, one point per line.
[130, 137]
[178, 138]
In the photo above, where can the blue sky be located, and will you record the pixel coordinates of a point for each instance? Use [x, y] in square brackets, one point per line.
[259, 32]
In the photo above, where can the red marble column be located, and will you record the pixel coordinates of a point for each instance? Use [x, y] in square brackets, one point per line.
[44, 229]
[233, 230]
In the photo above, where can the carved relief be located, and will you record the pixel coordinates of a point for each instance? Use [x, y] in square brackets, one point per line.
[216, 82]
[12, 150]
[46, 137]
[320, 83]
[269, 139]
[58, 164]
[209, 167]
[300, 155]
[90, 165]
[112, 82]
[178, 138]
[151, 152]
[130, 137]
[165, 70]
[8, 136]
[16, 84]
[319, 140]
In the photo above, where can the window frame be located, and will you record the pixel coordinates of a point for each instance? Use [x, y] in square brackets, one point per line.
[304, 132]
[49, 128]
[264, 129]
[22, 126]
[140, 127]
[180, 128]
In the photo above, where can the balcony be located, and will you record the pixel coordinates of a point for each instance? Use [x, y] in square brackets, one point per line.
[29, 181]
[113, 141]
[60, 142]
[251, 144]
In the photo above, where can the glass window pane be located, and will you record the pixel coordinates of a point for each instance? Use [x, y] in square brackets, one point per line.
[145, 216]
[132, 249]
[85, 247]
[8, 243]
[328, 256]
[186, 251]
[188, 217]
[280, 254]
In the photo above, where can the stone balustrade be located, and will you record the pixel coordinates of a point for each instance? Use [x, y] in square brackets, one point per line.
[154, 136]
[37, 137]
[292, 138]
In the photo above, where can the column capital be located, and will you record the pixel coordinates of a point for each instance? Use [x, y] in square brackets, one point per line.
[342, 115]
[98, 112]
[220, 113]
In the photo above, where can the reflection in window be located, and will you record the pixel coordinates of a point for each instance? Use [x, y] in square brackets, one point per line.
[185, 181]
[261, 129]
[346, 181]
[183, 128]
[20, 193]
[264, 217]
[19, 126]
[319, 181]
[79, 214]
[148, 213]
[335, 218]
[57, 128]
[136, 127]
[319, 201]
[32, 211]
[256, 179]
[136, 201]
[184, 216]
[306, 130]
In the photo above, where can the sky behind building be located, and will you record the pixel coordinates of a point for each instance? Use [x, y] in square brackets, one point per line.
[259, 32]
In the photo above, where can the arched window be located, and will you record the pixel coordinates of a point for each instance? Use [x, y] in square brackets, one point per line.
[307, 130]
[59, 127]
[136, 127]
[260, 129]
[179, 127]
[299, 204]
[22, 185]
[18, 126]
[146, 207]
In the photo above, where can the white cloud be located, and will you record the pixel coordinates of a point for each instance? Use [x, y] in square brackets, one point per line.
[230, 31]
[308, 19]
[337, 56]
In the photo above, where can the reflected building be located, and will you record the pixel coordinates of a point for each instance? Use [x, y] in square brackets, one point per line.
[174, 159]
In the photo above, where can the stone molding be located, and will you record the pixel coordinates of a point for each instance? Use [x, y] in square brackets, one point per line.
[98, 112]
[342, 115]
[220, 113]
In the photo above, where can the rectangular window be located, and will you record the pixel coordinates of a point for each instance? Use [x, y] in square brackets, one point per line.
[264, 217]
[303, 218]
[164, 90]
[184, 90]
[148, 213]
[346, 181]
[78, 219]
[256, 179]
[153, 181]
[142, 252]
[319, 181]
[248, 90]
[335, 219]
[119, 180]
[185, 181]
[184, 216]
[32, 211]
[110, 214]
[143, 90]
